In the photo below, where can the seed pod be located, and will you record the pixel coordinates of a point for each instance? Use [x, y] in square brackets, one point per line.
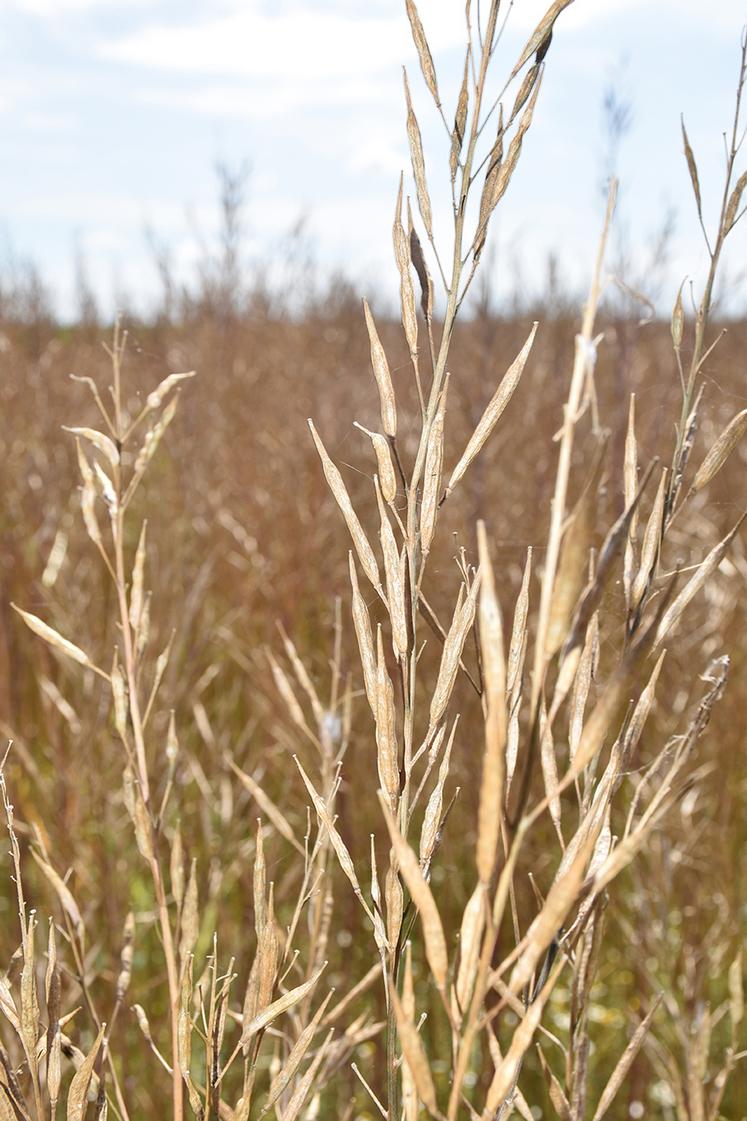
[720, 452]
[493, 411]
[464, 617]
[339, 491]
[460, 122]
[406, 293]
[424, 51]
[362, 625]
[692, 168]
[155, 399]
[418, 163]
[102, 443]
[395, 586]
[136, 590]
[432, 480]
[386, 734]
[387, 477]
[382, 375]
[678, 319]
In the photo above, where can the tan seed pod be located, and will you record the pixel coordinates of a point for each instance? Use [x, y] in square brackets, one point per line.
[54, 639]
[285, 1075]
[415, 1056]
[434, 458]
[77, 1097]
[721, 450]
[651, 544]
[136, 590]
[460, 122]
[493, 412]
[434, 808]
[706, 569]
[176, 868]
[424, 51]
[387, 754]
[732, 208]
[304, 1085]
[267, 806]
[339, 491]
[422, 897]
[382, 374]
[102, 443]
[119, 696]
[61, 890]
[630, 489]
[385, 467]
[338, 844]
[282, 1004]
[470, 941]
[692, 168]
[494, 707]
[539, 36]
[155, 399]
[464, 617]
[189, 925]
[406, 292]
[625, 1062]
[418, 163]
[362, 626]
[678, 319]
[395, 588]
[125, 957]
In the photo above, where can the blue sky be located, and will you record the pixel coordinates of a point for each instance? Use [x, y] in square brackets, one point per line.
[113, 114]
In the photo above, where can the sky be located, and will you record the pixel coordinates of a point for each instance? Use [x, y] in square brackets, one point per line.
[114, 114]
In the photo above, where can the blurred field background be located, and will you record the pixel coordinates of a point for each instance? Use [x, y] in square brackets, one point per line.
[243, 538]
[246, 546]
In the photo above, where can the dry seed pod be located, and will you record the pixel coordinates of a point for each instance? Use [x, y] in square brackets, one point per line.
[102, 443]
[62, 891]
[538, 39]
[494, 701]
[410, 1104]
[119, 696]
[406, 293]
[418, 163]
[382, 374]
[578, 535]
[176, 868]
[156, 398]
[339, 491]
[386, 733]
[136, 591]
[625, 1062]
[731, 215]
[434, 808]
[736, 991]
[387, 477]
[282, 1004]
[362, 626]
[460, 122]
[495, 161]
[493, 412]
[395, 587]
[706, 569]
[77, 1098]
[470, 941]
[414, 1054]
[549, 768]
[301, 1092]
[338, 844]
[285, 1075]
[54, 639]
[630, 487]
[125, 957]
[189, 925]
[424, 51]
[720, 452]
[651, 544]
[692, 168]
[432, 480]
[422, 897]
[266, 805]
[464, 617]
[418, 263]
[678, 319]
